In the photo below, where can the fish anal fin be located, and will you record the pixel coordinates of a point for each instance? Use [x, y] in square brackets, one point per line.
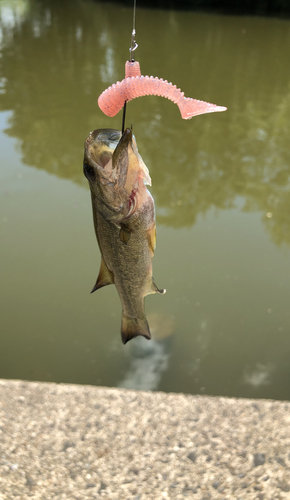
[151, 237]
[132, 327]
[154, 288]
[125, 234]
[105, 277]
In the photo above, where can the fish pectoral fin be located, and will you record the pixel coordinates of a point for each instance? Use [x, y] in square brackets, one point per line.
[151, 237]
[132, 327]
[105, 277]
[154, 288]
[125, 233]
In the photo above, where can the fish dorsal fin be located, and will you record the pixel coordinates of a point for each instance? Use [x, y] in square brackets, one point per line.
[125, 234]
[151, 236]
[154, 288]
[105, 277]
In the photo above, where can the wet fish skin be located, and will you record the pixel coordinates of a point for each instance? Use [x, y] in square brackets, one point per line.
[124, 220]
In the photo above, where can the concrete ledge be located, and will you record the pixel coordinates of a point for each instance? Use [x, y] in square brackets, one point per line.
[76, 442]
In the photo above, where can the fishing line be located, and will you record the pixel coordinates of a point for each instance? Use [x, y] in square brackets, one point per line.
[132, 49]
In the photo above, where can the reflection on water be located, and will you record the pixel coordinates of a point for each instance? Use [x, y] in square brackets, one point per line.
[221, 185]
[66, 60]
[259, 376]
[149, 360]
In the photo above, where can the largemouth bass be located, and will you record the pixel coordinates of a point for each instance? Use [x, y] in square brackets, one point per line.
[124, 220]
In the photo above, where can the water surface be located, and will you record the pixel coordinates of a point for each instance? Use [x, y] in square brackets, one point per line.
[220, 184]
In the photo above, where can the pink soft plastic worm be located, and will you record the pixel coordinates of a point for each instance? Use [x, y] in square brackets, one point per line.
[112, 100]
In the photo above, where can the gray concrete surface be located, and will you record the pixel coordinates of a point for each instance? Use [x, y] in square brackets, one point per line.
[81, 442]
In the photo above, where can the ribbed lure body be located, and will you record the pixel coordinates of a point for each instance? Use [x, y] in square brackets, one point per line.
[134, 85]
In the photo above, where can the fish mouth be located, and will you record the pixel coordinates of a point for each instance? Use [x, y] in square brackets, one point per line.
[121, 149]
[134, 172]
[100, 146]
[127, 150]
[112, 160]
[127, 138]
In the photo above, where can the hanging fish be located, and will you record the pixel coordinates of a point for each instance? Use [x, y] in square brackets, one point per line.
[124, 219]
[123, 208]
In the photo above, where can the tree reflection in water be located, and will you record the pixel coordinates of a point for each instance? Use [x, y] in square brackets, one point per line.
[58, 56]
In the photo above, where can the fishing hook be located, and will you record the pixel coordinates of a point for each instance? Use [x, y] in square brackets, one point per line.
[132, 49]
[124, 115]
[134, 45]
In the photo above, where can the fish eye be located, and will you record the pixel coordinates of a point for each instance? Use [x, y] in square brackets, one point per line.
[89, 171]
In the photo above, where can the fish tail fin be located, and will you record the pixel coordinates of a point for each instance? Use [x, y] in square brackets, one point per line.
[132, 327]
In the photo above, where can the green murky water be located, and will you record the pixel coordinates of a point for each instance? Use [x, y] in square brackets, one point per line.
[221, 183]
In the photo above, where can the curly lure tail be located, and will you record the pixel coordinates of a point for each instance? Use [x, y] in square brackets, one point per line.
[134, 85]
